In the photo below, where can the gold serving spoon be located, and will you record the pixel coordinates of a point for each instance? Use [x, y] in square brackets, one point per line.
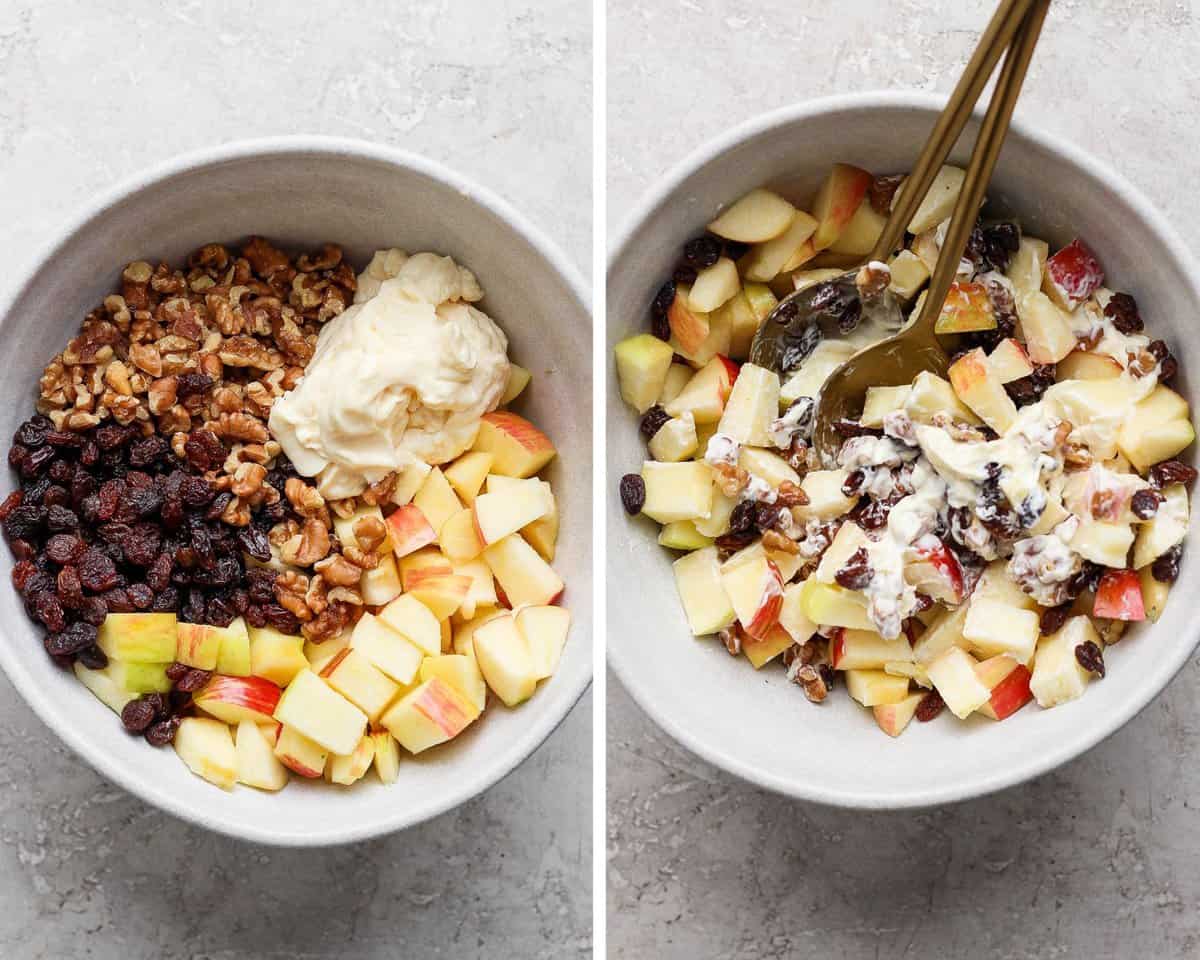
[797, 324]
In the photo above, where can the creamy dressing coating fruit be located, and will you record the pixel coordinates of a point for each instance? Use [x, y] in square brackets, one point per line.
[280, 516]
[979, 540]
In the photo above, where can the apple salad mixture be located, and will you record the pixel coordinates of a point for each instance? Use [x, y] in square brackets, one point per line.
[978, 541]
[278, 514]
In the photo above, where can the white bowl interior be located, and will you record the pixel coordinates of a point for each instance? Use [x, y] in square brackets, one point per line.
[757, 725]
[365, 198]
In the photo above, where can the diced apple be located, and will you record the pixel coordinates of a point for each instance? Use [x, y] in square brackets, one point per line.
[1009, 684]
[1048, 335]
[1009, 361]
[1146, 437]
[387, 756]
[931, 395]
[831, 605]
[357, 679]
[705, 395]
[939, 201]
[388, 650]
[866, 650]
[482, 592]
[642, 365]
[312, 708]
[275, 656]
[758, 216]
[1082, 365]
[460, 538]
[435, 502]
[104, 685]
[993, 627]
[344, 527]
[968, 307]
[811, 377]
[762, 301]
[1119, 596]
[1101, 542]
[981, 390]
[875, 688]
[689, 328]
[881, 401]
[846, 542]
[466, 474]
[206, 746]
[499, 514]
[762, 650]
[382, 583]
[945, 632]
[1025, 266]
[860, 235]
[518, 380]
[1165, 529]
[442, 595]
[141, 677]
[926, 248]
[677, 491]
[910, 669]
[767, 260]
[1154, 594]
[300, 754]
[351, 768]
[234, 699]
[518, 447]
[698, 580]
[756, 591]
[521, 573]
[933, 569]
[675, 440]
[825, 498]
[678, 375]
[139, 637]
[1072, 275]
[319, 655]
[1058, 676]
[837, 201]
[233, 656]
[545, 631]
[198, 645]
[409, 481]
[255, 760]
[506, 660]
[909, 274]
[894, 717]
[953, 676]
[409, 530]
[459, 671]
[752, 406]
[682, 535]
[714, 285]
[428, 715]
[414, 621]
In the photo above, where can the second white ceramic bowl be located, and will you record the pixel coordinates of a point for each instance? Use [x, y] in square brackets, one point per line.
[301, 192]
[757, 725]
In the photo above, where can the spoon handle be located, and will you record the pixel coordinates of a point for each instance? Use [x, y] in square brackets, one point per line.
[983, 162]
[995, 39]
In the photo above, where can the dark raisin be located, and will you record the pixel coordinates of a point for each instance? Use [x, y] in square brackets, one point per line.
[158, 574]
[930, 706]
[732, 542]
[93, 610]
[853, 484]
[32, 433]
[282, 620]
[142, 544]
[1122, 309]
[197, 492]
[766, 515]
[24, 522]
[633, 493]
[75, 637]
[204, 450]
[1144, 504]
[23, 571]
[149, 451]
[1053, 618]
[702, 251]
[881, 192]
[218, 505]
[68, 589]
[685, 274]
[193, 680]
[1166, 568]
[60, 519]
[97, 572]
[140, 595]
[161, 705]
[220, 611]
[117, 600]
[1169, 472]
[163, 732]
[786, 312]
[46, 608]
[11, 502]
[23, 550]
[872, 514]
[663, 299]
[89, 453]
[56, 496]
[61, 471]
[166, 601]
[36, 461]
[1090, 657]
[652, 421]
[1159, 349]
[743, 517]
[254, 541]
[261, 584]
[176, 671]
[137, 715]
[735, 249]
[849, 316]
[856, 573]
[188, 384]
[1168, 368]
[93, 658]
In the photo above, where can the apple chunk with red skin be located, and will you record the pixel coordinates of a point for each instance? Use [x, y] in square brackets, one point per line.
[967, 308]
[1119, 596]
[980, 389]
[1009, 683]
[518, 448]
[410, 530]
[1072, 275]
[837, 201]
[755, 588]
[299, 754]
[894, 717]
[689, 327]
[234, 699]
[933, 569]
[428, 715]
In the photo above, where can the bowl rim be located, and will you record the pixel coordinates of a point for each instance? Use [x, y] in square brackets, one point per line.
[1037, 763]
[517, 751]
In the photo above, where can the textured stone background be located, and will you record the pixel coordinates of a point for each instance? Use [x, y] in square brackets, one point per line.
[1097, 860]
[91, 91]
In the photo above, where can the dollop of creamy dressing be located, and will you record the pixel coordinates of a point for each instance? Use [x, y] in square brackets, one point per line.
[404, 374]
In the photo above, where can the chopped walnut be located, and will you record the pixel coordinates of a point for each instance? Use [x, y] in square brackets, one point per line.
[813, 684]
[306, 501]
[360, 558]
[370, 533]
[290, 589]
[339, 571]
[774, 540]
[731, 479]
[241, 426]
[790, 495]
[248, 479]
[311, 544]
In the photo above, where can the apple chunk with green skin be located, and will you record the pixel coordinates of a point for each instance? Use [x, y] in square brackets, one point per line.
[755, 589]
[1058, 676]
[142, 677]
[409, 530]
[521, 573]
[892, 718]
[752, 406]
[206, 746]
[139, 637]
[518, 447]
[705, 603]
[753, 218]
[505, 660]
[706, 393]
[257, 765]
[276, 656]
[1009, 683]
[234, 699]
[233, 659]
[387, 649]
[428, 715]
[362, 683]
[953, 675]
[311, 707]
[642, 365]
[299, 754]
[414, 621]
[545, 631]
[837, 201]
[499, 514]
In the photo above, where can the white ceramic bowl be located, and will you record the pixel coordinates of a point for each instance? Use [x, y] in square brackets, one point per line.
[756, 725]
[301, 191]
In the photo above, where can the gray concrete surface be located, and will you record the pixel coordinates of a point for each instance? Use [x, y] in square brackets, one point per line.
[1097, 860]
[92, 91]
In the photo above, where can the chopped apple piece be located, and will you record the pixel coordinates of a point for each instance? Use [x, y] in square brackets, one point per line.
[762, 650]
[837, 201]
[698, 579]
[894, 717]
[518, 380]
[866, 650]
[499, 514]
[351, 768]
[677, 491]
[198, 645]
[428, 715]
[875, 688]
[758, 216]
[945, 632]
[762, 301]
[460, 672]
[141, 677]
[993, 627]
[275, 656]
[1119, 596]
[1009, 361]
[689, 328]
[1058, 676]
[980, 389]
[506, 661]
[436, 502]
[104, 685]
[769, 467]
[833, 606]
[1082, 365]
[206, 746]
[1025, 266]
[320, 654]
[443, 595]
[752, 406]
[1101, 542]
[1009, 684]
[642, 365]
[881, 401]
[678, 375]
[909, 274]
[714, 286]
[968, 307]
[825, 498]
[518, 447]
[675, 440]
[408, 482]
[808, 380]
[299, 754]
[860, 235]
[705, 395]
[409, 530]
[1154, 594]
[1048, 335]
[467, 473]
[312, 708]
[388, 650]
[233, 658]
[521, 573]
[1165, 529]
[682, 535]
[234, 699]
[1072, 275]
[931, 395]
[934, 570]
[387, 756]
[139, 637]
[953, 676]
[846, 542]
[482, 592]
[255, 760]
[755, 589]
[357, 679]
[939, 201]
[767, 260]
[545, 631]
[381, 584]
[460, 538]
[1150, 434]
[414, 621]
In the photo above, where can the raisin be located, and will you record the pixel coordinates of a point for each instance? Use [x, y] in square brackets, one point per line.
[197, 492]
[743, 517]
[89, 453]
[255, 543]
[193, 680]
[76, 637]
[35, 461]
[141, 545]
[94, 611]
[176, 672]
[141, 596]
[1144, 504]
[167, 601]
[97, 572]
[32, 433]
[663, 299]
[852, 428]
[652, 421]
[68, 588]
[56, 496]
[149, 451]
[137, 715]
[24, 522]
[684, 274]
[735, 249]
[881, 192]
[702, 252]
[766, 515]
[61, 471]
[1122, 310]
[23, 571]
[282, 620]
[161, 705]
[60, 519]
[217, 507]
[158, 574]
[633, 493]
[204, 450]
[11, 502]
[92, 657]
[1053, 618]
[1159, 349]
[1167, 369]
[731, 542]
[191, 383]
[1090, 657]
[117, 600]
[930, 706]
[162, 732]
[856, 573]
[1169, 472]
[261, 584]
[46, 608]
[1166, 568]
